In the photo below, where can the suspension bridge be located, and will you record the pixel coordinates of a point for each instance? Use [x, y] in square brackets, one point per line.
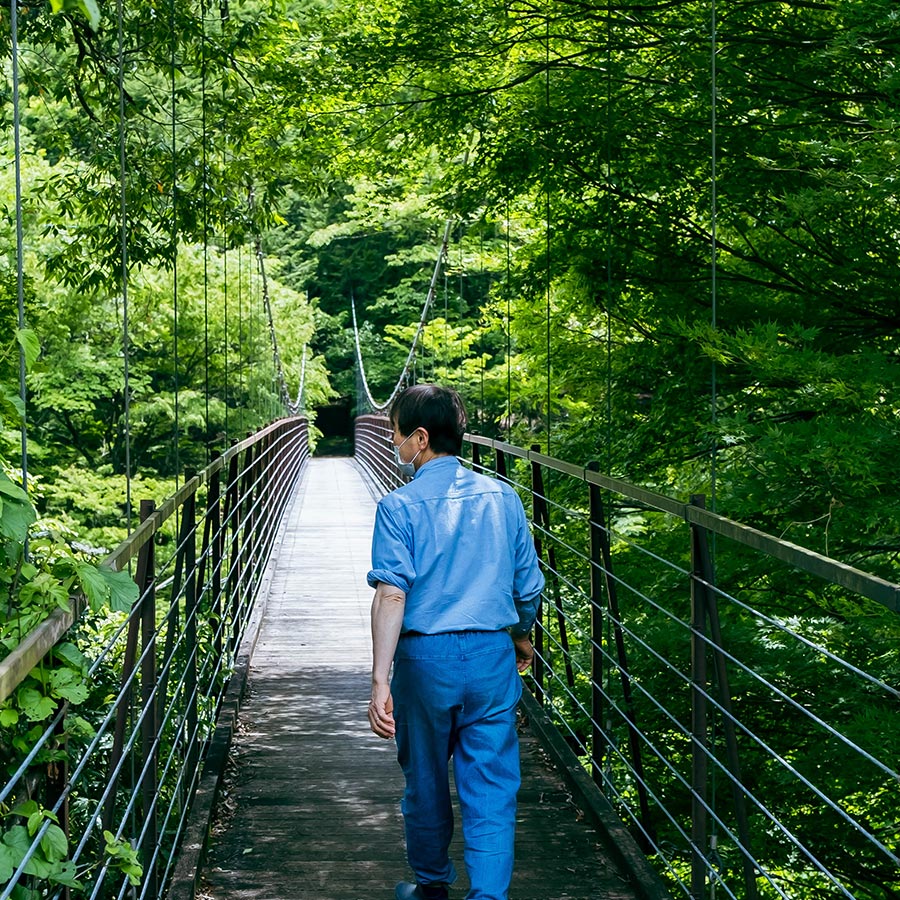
[658, 745]
[675, 741]
[672, 740]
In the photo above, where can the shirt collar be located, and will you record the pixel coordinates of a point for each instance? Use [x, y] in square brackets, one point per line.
[439, 462]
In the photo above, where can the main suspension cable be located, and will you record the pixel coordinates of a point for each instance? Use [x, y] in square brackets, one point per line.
[411, 356]
[281, 382]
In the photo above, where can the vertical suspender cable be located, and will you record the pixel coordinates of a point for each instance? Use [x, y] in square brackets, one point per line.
[508, 325]
[251, 315]
[607, 725]
[713, 248]
[123, 235]
[175, 246]
[223, 17]
[714, 831]
[460, 307]
[240, 262]
[20, 238]
[225, 301]
[446, 321]
[609, 202]
[204, 163]
[484, 302]
[547, 188]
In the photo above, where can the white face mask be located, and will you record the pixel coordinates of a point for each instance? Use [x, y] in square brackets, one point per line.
[406, 468]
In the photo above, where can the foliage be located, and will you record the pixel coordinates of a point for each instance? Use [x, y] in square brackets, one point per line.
[602, 292]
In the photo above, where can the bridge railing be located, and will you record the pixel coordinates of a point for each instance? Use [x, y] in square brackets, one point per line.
[372, 450]
[120, 775]
[734, 696]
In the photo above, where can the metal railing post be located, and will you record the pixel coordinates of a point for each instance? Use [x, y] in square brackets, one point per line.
[143, 577]
[699, 713]
[598, 737]
[724, 694]
[538, 667]
[541, 512]
[500, 467]
[601, 534]
[150, 704]
[245, 542]
[233, 519]
[213, 549]
[192, 590]
[181, 574]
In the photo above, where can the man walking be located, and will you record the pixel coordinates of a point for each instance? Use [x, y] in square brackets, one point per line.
[457, 586]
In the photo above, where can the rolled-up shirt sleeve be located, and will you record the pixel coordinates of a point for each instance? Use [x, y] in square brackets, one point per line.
[528, 580]
[392, 560]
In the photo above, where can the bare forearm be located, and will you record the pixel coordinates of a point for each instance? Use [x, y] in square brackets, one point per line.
[387, 618]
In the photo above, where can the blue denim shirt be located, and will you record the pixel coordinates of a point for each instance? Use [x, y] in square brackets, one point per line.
[457, 544]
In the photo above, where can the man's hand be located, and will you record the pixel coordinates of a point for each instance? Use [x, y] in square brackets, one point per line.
[524, 653]
[381, 711]
[387, 617]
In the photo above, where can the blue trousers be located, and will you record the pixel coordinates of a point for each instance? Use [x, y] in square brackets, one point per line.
[455, 695]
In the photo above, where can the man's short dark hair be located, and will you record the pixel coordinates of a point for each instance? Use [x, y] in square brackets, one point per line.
[438, 410]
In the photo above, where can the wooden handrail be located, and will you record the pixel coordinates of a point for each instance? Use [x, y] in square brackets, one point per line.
[875, 588]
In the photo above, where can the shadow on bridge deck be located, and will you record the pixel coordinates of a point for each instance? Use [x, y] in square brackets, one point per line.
[310, 807]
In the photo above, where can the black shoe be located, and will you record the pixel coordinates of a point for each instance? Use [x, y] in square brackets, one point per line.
[407, 891]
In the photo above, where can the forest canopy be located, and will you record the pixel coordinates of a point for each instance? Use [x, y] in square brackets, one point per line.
[690, 282]
[684, 270]
[672, 246]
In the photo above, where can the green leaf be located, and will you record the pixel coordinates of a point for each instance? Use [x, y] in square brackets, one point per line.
[30, 345]
[9, 862]
[80, 727]
[34, 704]
[9, 488]
[134, 873]
[23, 893]
[15, 519]
[54, 844]
[88, 7]
[12, 402]
[8, 717]
[17, 839]
[39, 867]
[93, 584]
[68, 685]
[123, 592]
[35, 820]
[67, 874]
[26, 808]
[70, 654]
[92, 11]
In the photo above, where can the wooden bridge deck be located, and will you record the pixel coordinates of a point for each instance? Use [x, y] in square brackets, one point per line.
[311, 804]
